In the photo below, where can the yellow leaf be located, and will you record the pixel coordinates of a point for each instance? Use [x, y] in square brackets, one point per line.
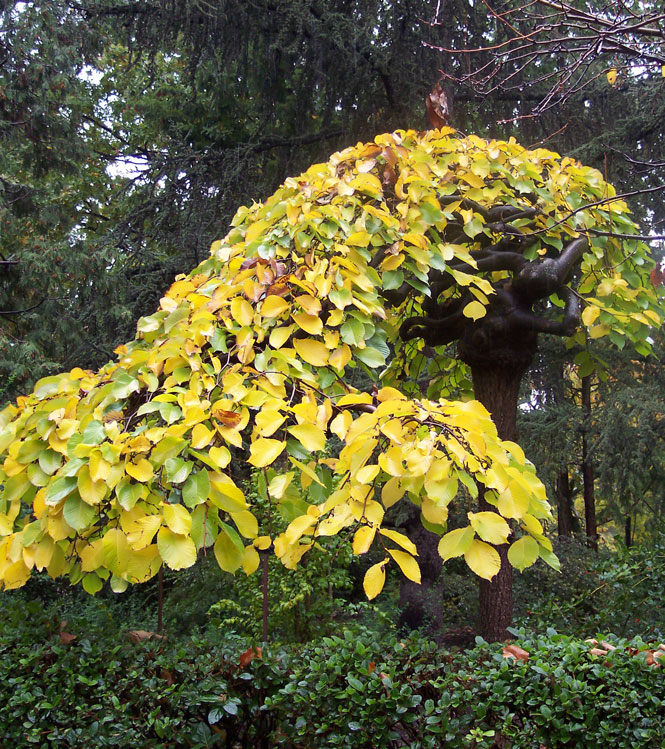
[309, 323]
[229, 551]
[311, 351]
[91, 491]
[116, 551]
[255, 230]
[455, 543]
[401, 539]
[92, 556]
[264, 451]
[15, 575]
[598, 331]
[419, 240]
[369, 184]
[250, 560]
[474, 310]
[434, 513]
[513, 502]
[310, 436]
[141, 471]
[242, 311]
[263, 542]
[298, 528]
[612, 76]
[201, 436]
[340, 357]
[363, 538]
[246, 523]
[589, 315]
[407, 564]
[392, 492]
[279, 336]
[46, 547]
[374, 579]
[274, 306]
[358, 239]
[177, 518]
[483, 559]
[490, 526]
[279, 484]
[220, 456]
[309, 303]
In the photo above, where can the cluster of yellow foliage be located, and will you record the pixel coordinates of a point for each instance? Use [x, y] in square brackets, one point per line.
[246, 363]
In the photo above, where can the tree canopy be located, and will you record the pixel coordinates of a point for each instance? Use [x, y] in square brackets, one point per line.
[242, 378]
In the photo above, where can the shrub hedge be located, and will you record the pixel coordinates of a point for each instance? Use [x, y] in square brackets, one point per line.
[350, 691]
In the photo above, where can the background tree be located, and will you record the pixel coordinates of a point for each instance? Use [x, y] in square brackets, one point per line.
[135, 130]
[587, 76]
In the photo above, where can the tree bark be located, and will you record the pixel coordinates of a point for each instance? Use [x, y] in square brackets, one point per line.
[567, 522]
[587, 469]
[497, 388]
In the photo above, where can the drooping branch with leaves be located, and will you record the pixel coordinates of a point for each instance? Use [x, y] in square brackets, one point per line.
[372, 261]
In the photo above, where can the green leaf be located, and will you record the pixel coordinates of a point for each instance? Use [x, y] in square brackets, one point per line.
[196, 488]
[78, 514]
[455, 543]
[370, 356]
[177, 551]
[59, 489]
[229, 549]
[16, 486]
[50, 461]
[94, 433]
[177, 470]
[91, 583]
[523, 553]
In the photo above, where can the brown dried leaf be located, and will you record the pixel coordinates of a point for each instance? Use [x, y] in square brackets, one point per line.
[388, 176]
[228, 418]
[66, 638]
[138, 635]
[248, 656]
[390, 156]
[281, 287]
[657, 277]
[513, 651]
[438, 111]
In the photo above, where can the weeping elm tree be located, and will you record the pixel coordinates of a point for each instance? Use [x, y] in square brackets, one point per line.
[374, 261]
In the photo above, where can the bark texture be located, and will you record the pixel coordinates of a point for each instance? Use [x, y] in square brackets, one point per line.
[497, 371]
[587, 469]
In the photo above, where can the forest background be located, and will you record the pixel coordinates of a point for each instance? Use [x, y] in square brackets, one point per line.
[131, 132]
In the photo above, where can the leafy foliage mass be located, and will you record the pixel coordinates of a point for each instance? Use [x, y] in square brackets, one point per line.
[242, 374]
[346, 690]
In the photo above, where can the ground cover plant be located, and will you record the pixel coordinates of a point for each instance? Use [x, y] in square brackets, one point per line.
[88, 682]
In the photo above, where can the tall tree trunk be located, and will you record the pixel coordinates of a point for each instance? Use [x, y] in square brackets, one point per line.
[628, 532]
[567, 522]
[497, 388]
[587, 468]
